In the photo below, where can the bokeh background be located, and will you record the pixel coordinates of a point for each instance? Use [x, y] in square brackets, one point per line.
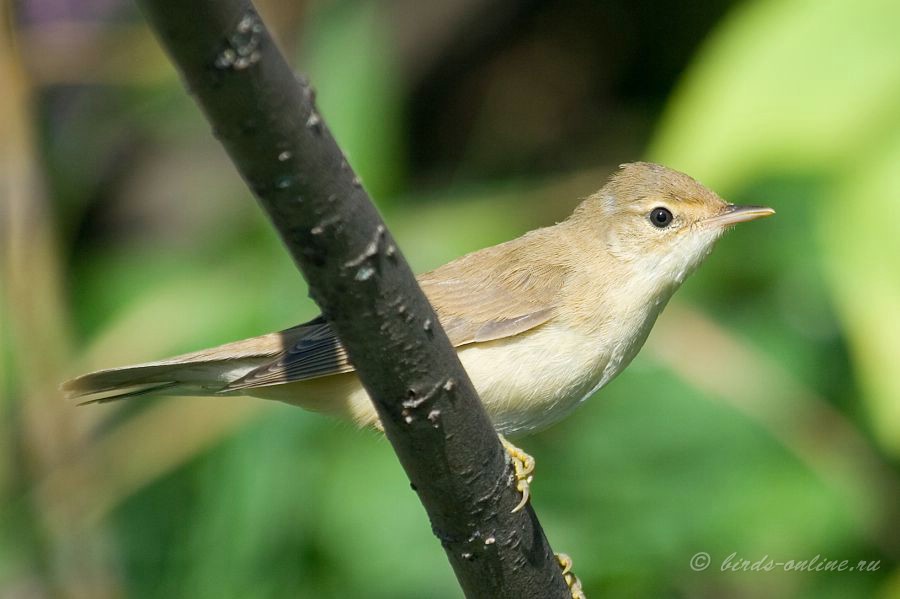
[762, 419]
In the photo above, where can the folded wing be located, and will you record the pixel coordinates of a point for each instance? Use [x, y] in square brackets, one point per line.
[474, 304]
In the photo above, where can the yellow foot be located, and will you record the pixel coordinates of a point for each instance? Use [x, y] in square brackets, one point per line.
[523, 466]
[565, 562]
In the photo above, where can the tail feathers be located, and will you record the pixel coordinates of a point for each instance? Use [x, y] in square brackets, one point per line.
[192, 378]
[205, 372]
[98, 397]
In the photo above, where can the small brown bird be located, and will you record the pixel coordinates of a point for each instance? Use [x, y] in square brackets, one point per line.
[540, 322]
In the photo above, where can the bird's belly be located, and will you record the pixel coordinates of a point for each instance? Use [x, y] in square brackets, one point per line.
[533, 380]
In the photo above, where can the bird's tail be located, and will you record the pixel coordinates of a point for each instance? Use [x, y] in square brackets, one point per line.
[205, 372]
[143, 379]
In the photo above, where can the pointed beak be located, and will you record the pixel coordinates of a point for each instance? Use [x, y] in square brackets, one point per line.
[733, 214]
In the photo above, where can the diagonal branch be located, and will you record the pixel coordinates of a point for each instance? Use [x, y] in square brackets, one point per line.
[267, 121]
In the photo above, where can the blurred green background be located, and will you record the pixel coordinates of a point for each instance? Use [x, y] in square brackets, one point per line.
[762, 419]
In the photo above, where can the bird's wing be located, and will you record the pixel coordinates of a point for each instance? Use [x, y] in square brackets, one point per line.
[473, 304]
[477, 304]
[310, 350]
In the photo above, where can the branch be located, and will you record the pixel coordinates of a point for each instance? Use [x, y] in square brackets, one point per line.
[267, 121]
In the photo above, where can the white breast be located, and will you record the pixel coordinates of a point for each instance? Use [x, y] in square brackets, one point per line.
[532, 380]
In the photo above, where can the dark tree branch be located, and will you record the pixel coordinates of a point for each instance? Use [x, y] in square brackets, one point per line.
[267, 121]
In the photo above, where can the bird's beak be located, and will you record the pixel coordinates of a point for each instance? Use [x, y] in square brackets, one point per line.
[733, 214]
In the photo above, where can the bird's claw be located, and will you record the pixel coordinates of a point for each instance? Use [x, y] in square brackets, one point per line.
[565, 562]
[523, 469]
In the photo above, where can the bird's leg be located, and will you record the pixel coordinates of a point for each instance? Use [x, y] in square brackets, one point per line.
[523, 467]
[565, 562]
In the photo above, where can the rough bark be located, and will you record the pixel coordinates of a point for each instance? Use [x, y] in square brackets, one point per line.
[266, 118]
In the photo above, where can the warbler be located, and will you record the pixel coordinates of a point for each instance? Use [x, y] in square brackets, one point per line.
[540, 323]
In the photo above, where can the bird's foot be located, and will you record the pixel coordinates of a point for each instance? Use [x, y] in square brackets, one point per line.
[523, 467]
[565, 562]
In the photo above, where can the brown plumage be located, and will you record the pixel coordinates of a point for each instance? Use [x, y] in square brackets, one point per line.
[540, 322]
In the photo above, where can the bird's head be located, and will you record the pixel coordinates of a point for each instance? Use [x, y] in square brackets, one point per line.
[661, 222]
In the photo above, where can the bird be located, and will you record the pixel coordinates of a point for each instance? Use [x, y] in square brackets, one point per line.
[540, 323]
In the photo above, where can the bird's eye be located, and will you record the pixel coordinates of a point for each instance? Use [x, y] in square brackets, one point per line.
[661, 217]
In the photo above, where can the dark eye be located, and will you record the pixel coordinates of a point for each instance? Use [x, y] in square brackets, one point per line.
[660, 217]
